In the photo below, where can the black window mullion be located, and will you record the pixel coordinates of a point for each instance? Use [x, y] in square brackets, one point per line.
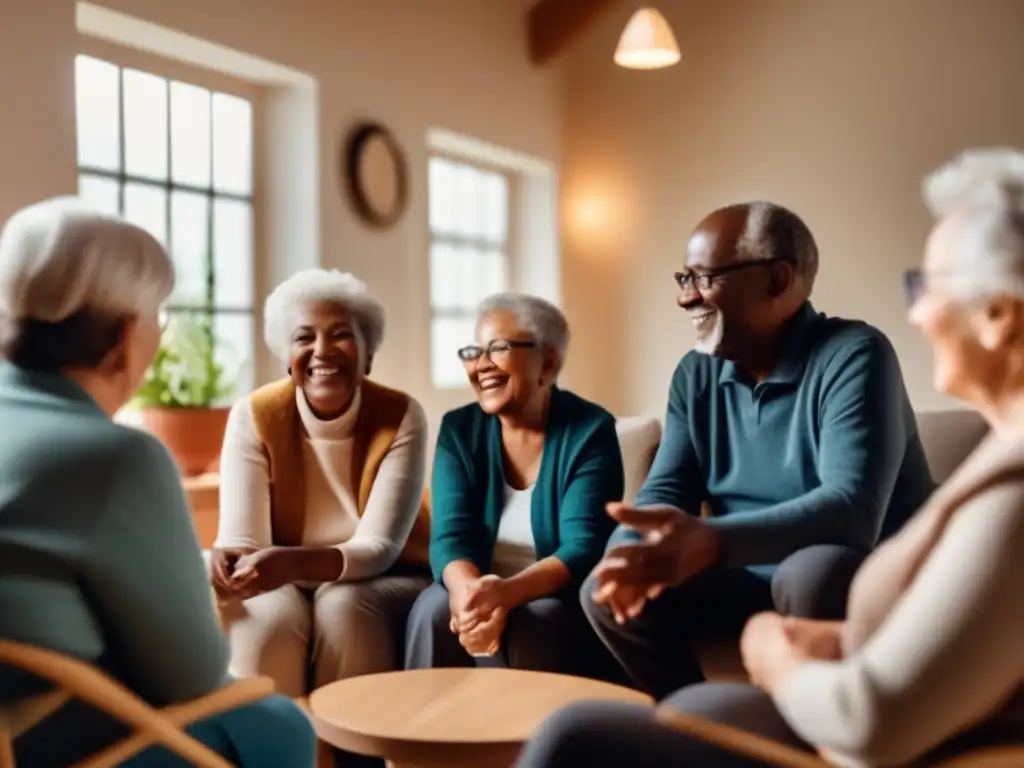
[169, 186]
[211, 261]
[123, 171]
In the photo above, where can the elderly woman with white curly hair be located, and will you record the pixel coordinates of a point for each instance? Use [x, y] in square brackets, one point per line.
[322, 543]
[520, 483]
[929, 661]
[98, 555]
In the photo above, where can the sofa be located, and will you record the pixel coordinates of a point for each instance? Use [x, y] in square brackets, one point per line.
[948, 437]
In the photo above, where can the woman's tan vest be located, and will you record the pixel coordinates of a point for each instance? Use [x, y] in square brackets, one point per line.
[279, 427]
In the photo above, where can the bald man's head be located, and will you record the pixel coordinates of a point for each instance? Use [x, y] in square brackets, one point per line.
[749, 268]
[756, 231]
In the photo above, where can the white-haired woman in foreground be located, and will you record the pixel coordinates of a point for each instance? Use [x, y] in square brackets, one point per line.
[98, 556]
[930, 659]
[322, 546]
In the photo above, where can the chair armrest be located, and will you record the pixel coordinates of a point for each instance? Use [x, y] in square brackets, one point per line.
[22, 716]
[987, 757]
[738, 741]
[232, 696]
[92, 686]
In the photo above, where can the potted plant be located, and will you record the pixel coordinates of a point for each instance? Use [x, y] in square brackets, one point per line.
[182, 396]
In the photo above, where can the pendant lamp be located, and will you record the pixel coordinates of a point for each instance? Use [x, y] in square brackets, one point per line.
[647, 42]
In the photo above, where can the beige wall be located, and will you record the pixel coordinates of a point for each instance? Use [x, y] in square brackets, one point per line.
[835, 108]
[413, 64]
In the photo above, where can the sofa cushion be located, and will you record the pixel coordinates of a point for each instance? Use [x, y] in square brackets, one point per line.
[948, 437]
[638, 437]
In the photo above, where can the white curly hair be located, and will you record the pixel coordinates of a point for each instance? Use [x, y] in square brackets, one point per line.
[985, 189]
[285, 306]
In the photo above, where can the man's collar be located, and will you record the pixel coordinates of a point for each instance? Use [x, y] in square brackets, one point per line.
[793, 351]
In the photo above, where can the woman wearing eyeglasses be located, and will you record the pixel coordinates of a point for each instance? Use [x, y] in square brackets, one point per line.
[520, 483]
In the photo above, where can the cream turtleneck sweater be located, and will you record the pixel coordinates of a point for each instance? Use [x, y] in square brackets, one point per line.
[371, 544]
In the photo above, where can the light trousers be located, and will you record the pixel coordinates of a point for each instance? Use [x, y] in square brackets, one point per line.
[307, 638]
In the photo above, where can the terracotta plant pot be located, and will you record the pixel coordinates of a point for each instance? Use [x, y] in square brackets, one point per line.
[193, 435]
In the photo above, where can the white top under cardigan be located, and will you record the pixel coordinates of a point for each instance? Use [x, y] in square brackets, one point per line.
[514, 549]
[370, 544]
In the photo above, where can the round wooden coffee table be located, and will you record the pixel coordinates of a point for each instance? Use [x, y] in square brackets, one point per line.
[449, 718]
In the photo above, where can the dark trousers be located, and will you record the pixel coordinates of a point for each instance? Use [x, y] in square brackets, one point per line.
[601, 734]
[549, 634]
[656, 648]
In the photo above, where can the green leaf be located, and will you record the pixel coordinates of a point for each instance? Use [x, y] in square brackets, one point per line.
[185, 372]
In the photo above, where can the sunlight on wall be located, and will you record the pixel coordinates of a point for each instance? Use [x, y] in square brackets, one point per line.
[599, 216]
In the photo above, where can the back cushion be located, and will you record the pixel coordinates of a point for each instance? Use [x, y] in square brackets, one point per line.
[948, 438]
[638, 437]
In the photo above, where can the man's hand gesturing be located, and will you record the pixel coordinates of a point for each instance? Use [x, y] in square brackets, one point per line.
[675, 546]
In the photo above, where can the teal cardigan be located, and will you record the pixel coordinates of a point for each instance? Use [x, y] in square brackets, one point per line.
[580, 472]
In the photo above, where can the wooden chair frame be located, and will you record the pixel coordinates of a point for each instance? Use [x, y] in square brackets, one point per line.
[774, 753]
[77, 680]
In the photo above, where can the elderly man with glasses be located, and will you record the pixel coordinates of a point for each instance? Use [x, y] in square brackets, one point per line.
[790, 451]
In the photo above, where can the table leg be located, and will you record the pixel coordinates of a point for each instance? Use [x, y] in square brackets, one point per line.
[324, 755]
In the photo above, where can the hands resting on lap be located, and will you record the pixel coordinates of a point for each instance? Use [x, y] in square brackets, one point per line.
[773, 646]
[239, 573]
[479, 610]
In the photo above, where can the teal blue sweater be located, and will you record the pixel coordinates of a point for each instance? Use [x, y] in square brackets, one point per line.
[823, 451]
[580, 472]
[98, 559]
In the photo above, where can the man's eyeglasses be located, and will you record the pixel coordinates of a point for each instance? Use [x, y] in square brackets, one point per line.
[496, 349]
[916, 282]
[913, 285]
[702, 281]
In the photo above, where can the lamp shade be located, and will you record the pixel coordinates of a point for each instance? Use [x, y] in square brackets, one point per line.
[647, 42]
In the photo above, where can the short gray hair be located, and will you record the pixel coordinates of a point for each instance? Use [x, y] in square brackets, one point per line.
[538, 317]
[986, 188]
[69, 277]
[775, 232]
[283, 310]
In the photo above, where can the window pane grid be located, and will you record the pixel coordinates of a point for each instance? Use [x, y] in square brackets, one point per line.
[468, 213]
[148, 150]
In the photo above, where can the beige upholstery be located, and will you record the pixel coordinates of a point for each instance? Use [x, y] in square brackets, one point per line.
[639, 437]
[948, 437]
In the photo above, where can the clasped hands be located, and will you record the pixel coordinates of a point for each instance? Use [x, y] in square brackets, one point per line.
[673, 547]
[479, 610]
[239, 573]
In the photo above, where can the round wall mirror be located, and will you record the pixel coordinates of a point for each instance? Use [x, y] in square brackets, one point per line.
[375, 174]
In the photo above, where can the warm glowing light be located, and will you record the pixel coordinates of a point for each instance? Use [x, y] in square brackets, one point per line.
[588, 213]
[647, 42]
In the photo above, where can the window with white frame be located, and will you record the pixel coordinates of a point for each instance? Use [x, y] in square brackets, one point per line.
[177, 159]
[469, 256]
